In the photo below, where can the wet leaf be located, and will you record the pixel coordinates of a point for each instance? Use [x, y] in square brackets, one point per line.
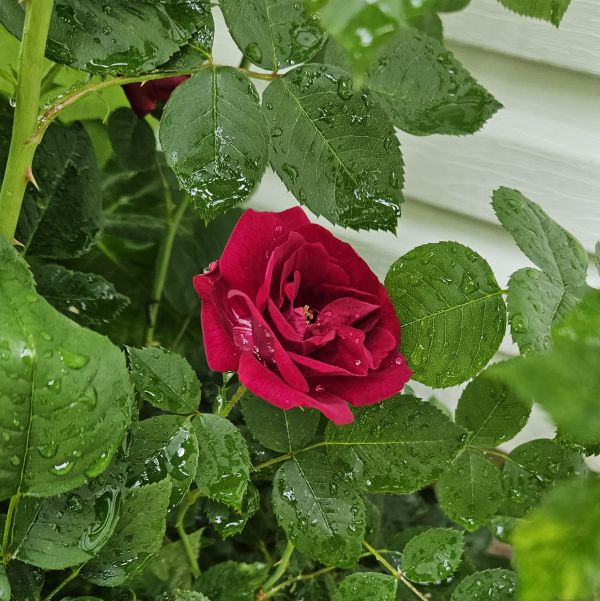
[396, 446]
[132, 140]
[5, 591]
[433, 555]
[224, 462]
[277, 429]
[26, 582]
[366, 585]
[272, 33]
[123, 37]
[164, 379]
[227, 521]
[138, 536]
[425, 90]
[548, 10]
[334, 148]
[451, 309]
[66, 399]
[491, 411]
[470, 491]
[231, 581]
[86, 298]
[215, 138]
[322, 515]
[163, 447]
[489, 585]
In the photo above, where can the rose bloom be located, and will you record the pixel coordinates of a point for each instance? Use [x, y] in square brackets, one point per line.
[144, 97]
[300, 317]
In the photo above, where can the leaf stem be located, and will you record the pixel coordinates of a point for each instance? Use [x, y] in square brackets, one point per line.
[164, 257]
[8, 527]
[395, 573]
[282, 566]
[225, 410]
[64, 583]
[29, 80]
[309, 576]
[287, 456]
[190, 498]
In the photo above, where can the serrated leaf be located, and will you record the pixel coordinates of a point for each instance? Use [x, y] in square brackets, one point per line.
[137, 537]
[231, 581]
[470, 491]
[14, 264]
[66, 400]
[277, 429]
[491, 410]
[125, 37]
[163, 447]
[64, 218]
[548, 10]
[489, 585]
[366, 585]
[132, 139]
[86, 298]
[224, 462]
[165, 379]
[425, 90]
[334, 148]
[322, 515]
[227, 521]
[532, 469]
[451, 309]
[396, 446]
[55, 533]
[272, 33]
[433, 555]
[215, 138]
[557, 549]
[566, 379]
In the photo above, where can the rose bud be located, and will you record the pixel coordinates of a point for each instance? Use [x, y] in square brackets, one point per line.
[300, 317]
[144, 97]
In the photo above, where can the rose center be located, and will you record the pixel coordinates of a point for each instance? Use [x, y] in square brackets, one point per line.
[310, 315]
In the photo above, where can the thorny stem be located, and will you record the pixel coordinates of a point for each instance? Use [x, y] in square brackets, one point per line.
[189, 500]
[289, 455]
[395, 573]
[64, 583]
[18, 172]
[282, 566]
[225, 410]
[8, 527]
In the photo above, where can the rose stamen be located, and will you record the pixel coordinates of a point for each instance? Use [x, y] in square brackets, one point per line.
[309, 314]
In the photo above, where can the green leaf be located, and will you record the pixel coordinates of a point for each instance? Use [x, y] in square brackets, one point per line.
[180, 595]
[489, 585]
[63, 219]
[125, 37]
[86, 298]
[164, 447]
[231, 581]
[14, 263]
[451, 5]
[566, 379]
[425, 90]
[66, 400]
[366, 585]
[26, 582]
[557, 548]
[277, 429]
[227, 521]
[334, 149]
[491, 411]
[272, 33]
[5, 593]
[548, 10]
[137, 537]
[215, 138]
[433, 555]
[470, 491]
[532, 469]
[165, 379]
[396, 446]
[224, 462]
[55, 533]
[451, 309]
[322, 515]
[132, 139]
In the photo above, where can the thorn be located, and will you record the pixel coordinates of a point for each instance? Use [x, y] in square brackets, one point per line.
[31, 178]
[15, 242]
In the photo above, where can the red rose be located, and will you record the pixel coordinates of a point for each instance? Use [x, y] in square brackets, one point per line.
[300, 317]
[144, 97]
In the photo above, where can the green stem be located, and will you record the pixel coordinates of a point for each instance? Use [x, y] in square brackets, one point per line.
[393, 571]
[164, 257]
[189, 500]
[282, 566]
[64, 583]
[22, 148]
[8, 527]
[272, 592]
[244, 63]
[287, 456]
[225, 410]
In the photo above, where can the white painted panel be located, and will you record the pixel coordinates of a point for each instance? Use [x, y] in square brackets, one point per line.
[574, 45]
